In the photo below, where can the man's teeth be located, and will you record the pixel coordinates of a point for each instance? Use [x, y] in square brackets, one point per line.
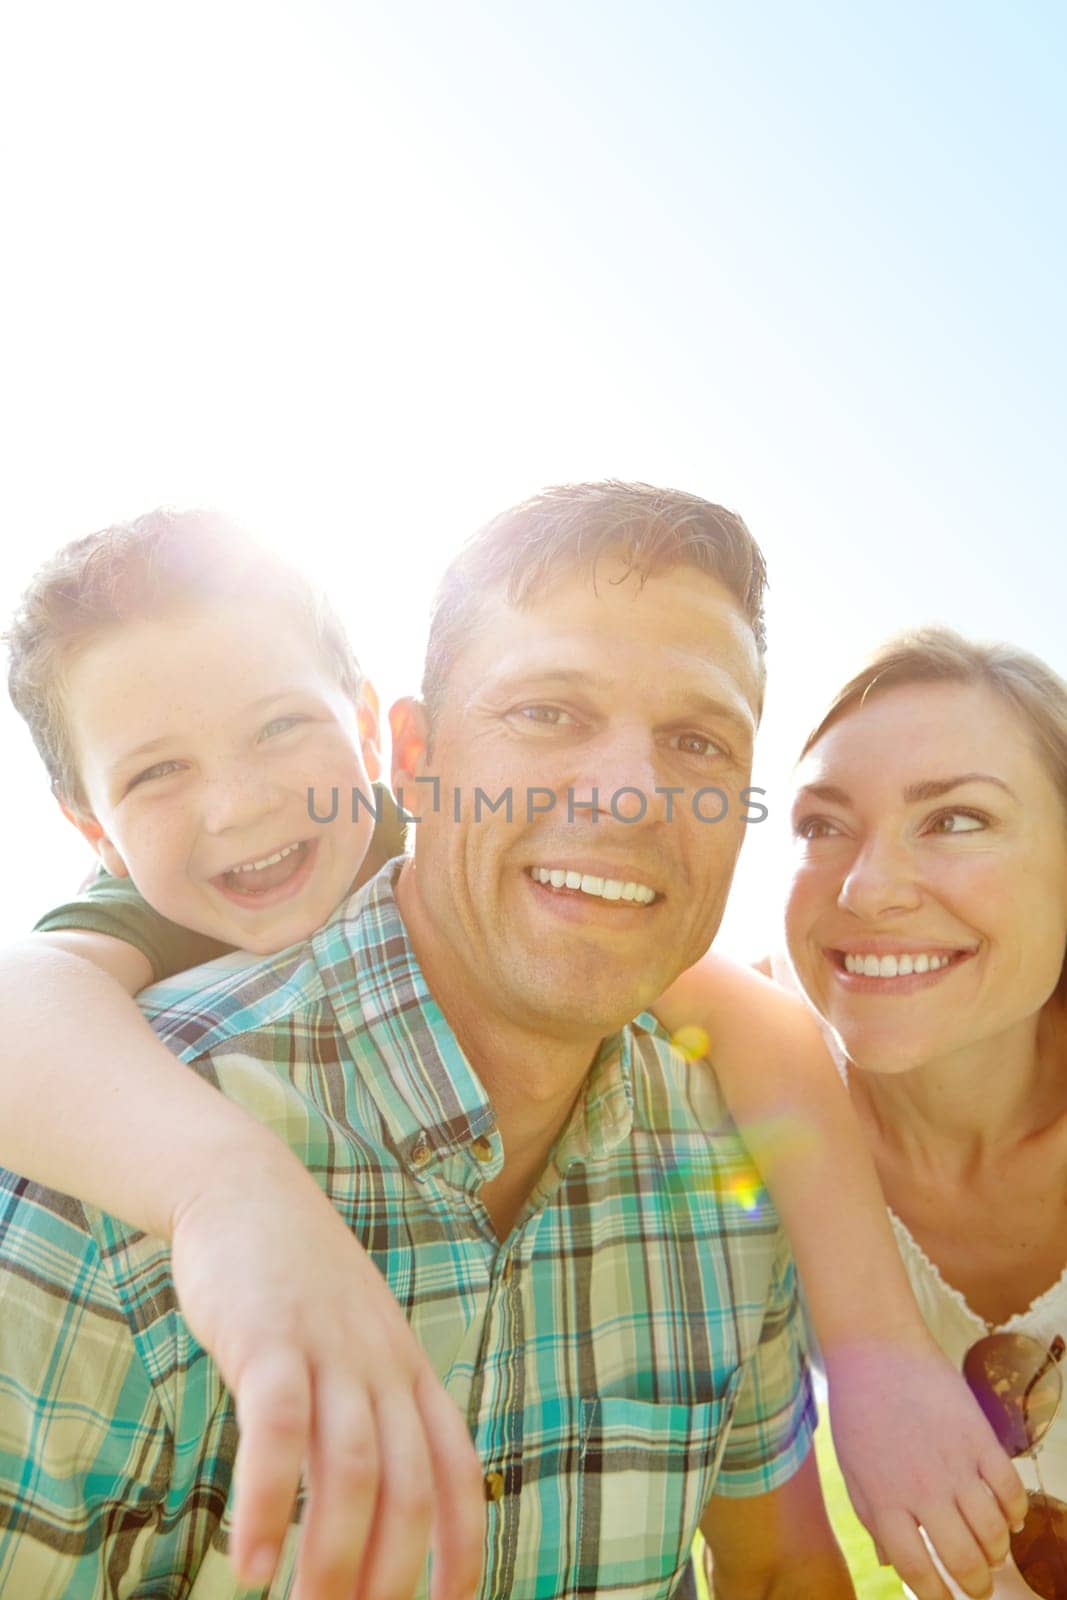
[894, 966]
[601, 888]
[267, 861]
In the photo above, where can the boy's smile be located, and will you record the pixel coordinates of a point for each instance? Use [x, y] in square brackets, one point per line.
[199, 736]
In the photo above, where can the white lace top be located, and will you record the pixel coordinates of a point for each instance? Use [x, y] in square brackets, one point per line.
[956, 1327]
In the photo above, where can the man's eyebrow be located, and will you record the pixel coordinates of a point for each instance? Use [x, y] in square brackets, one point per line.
[151, 745]
[928, 789]
[578, 678]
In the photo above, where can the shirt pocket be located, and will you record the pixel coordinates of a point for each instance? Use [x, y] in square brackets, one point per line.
[646, 1474]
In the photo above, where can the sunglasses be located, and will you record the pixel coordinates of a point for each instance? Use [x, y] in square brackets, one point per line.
[1018, 1383]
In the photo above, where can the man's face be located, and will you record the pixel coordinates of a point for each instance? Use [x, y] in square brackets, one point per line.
[582, 698]
[198, 737]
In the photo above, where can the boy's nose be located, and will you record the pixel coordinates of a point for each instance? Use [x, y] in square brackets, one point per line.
[235, 802]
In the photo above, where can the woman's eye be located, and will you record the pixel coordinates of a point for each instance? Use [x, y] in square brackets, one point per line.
[957, 822]
[697, 744]
[162, 769]
[546, 716]
[815, 828]
[280, 725]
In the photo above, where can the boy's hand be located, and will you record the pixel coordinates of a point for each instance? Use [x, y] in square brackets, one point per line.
[915, 1449]
[329, 1379]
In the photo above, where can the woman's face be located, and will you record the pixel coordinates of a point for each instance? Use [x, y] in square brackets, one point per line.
[928, 905]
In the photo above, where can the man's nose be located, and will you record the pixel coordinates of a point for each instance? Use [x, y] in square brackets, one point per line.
[235, 799]
[619, 778]
[881, 879]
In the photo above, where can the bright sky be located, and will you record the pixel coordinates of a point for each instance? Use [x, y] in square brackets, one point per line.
[366, 273]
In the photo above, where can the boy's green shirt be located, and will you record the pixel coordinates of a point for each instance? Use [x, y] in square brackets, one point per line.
[115, 906]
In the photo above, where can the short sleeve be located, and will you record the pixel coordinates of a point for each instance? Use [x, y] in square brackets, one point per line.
[774, 1418]
[116, 907]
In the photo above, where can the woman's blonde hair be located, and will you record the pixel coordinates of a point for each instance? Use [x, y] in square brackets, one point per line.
[939, 655]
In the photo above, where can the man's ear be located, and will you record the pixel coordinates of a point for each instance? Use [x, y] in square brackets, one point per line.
[410, 728]
[91, 830]
[369, 732]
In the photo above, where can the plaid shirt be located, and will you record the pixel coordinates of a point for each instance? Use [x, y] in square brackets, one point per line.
[631, 1347]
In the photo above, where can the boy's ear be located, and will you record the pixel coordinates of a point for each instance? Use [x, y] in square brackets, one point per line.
[410, 729]
[91, 830]
[369, 730]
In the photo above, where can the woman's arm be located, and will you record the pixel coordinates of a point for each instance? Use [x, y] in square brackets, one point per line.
[270, 1280]
[912, 1443]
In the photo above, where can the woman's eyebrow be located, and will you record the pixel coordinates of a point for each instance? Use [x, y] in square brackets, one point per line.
[934, 788]
[823, 791]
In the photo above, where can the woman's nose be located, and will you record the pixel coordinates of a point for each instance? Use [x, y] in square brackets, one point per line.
[880, 880]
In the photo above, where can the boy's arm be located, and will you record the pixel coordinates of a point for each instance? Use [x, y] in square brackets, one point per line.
[317, 1353]
[913, 1445]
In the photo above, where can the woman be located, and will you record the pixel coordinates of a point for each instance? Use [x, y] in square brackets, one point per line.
[927, 925]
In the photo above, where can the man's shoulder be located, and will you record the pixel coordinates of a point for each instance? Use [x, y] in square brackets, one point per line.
[678, 1091]
[239, 995]
[213, 1005]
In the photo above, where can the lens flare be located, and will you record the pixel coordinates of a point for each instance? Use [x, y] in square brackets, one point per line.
[692, 1042]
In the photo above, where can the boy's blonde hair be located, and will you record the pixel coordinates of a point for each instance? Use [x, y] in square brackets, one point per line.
[939, 655]
[151, 567]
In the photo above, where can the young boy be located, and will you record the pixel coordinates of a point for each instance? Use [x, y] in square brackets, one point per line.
[187, 698]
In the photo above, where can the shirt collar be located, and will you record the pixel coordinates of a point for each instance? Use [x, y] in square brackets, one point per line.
[430, 1097]
[404, 1051]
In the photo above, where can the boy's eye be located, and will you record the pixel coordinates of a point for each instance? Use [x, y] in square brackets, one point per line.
[280, 725]
[957, 822]
[162, 769]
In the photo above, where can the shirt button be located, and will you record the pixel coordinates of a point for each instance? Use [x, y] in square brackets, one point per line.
[420, 1151]
[494, 1486]
[483, 1149]
[507, 1269]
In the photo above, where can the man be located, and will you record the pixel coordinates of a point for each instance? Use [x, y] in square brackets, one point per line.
[541, 1181]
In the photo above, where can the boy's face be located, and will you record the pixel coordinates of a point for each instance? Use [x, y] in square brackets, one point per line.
[198, 737]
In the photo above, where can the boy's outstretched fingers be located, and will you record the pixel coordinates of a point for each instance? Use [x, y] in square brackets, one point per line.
[338, 1390]
[458, 1541]
[273, 1404]
[339, 1551]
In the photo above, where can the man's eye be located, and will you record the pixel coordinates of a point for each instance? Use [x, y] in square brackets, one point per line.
[546, 716]
[957, 822]
[280, 725]
[162, 769]
[697, 744]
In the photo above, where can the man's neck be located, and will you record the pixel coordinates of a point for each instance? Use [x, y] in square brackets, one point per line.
[532, 1076]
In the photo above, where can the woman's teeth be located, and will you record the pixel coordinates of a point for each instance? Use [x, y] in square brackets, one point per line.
[894, 966]
[588, 883]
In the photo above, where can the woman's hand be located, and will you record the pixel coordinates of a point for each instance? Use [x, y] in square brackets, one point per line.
[328, 1379]
[915, 1450]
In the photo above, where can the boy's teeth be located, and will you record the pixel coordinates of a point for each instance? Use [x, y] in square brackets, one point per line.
[267, 861]
[894, 966]
[589, 883]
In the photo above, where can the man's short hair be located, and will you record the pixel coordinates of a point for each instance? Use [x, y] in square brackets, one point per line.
[149, 568]
[564, 531]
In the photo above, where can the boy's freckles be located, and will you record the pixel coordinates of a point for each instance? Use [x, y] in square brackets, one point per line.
[198, 737]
